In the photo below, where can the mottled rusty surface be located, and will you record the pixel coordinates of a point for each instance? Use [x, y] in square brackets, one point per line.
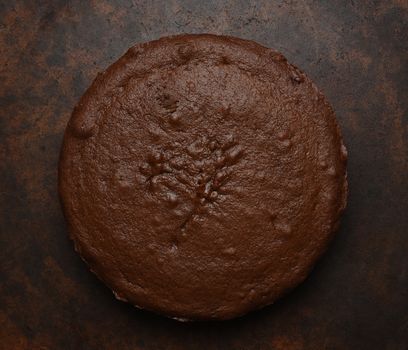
[357, 53]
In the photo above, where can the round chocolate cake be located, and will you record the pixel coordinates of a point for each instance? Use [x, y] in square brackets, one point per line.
[202, 176]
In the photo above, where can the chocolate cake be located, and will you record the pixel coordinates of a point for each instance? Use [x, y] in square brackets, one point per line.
[202, 176]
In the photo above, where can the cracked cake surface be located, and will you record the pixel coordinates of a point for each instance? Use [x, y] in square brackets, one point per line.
[202, 176]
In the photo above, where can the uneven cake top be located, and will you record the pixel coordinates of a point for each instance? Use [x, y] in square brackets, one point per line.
[202, 176]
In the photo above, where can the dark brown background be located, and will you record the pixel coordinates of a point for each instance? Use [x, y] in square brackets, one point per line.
[357, 53]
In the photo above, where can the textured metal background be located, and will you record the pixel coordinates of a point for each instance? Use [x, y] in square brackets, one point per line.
[356, 52]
